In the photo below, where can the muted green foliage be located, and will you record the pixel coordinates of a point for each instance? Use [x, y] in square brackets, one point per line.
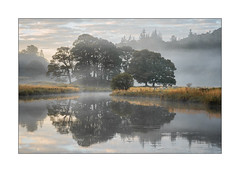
[61, 65]
[122, 81]
[126, 54]
[150, 67]
[95, 58]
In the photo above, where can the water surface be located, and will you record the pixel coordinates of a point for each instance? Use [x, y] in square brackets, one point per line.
[98, 123]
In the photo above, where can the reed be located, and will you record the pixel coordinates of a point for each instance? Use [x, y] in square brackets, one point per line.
[211, 96]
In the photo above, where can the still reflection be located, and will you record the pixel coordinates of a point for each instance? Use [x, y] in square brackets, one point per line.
[95, 121]
[99, 120]
[32, 115]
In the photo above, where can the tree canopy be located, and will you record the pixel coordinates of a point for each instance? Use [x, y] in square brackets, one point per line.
[96, 61]
[61, 64]
[149, 67]
[95, 58]
[122, 81]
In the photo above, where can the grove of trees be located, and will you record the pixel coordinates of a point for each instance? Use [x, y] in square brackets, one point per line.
[95, 61]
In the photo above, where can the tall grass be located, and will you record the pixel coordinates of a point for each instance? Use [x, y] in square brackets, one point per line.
[211, 96]
[29, 90]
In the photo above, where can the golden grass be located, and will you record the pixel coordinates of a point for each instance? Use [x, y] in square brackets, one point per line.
[28, 90]
[203, 95]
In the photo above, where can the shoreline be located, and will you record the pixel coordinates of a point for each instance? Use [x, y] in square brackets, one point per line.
[26, 90]
[208, 96]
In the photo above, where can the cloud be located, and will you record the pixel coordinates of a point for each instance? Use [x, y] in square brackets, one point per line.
[51, 32]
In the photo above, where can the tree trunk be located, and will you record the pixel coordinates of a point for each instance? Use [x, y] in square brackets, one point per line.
[146, 84]
[69, 78]
[153, 84]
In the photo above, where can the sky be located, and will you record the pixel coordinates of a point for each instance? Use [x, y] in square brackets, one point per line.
[50, 34]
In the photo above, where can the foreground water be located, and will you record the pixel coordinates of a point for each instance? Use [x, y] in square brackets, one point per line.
[98, 123]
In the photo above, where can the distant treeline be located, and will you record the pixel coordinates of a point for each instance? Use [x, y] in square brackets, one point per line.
[155, 42]
[32, 64]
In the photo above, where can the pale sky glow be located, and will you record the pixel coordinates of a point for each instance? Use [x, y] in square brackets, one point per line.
[49, 34]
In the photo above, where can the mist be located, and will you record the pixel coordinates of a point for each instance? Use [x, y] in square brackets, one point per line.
[197, 57]
[200, 67]
[32, 66]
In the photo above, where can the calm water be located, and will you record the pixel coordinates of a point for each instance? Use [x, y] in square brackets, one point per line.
[98, 123]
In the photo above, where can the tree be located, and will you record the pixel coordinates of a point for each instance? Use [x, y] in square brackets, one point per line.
[173, 38]
[31, 63]
[139, 67]
[142, 35]
[61, 64]
[166, 74]
[31, 49]
[41, 53]
[96, 59]
[126, 54]
[147, 66]
[122, 81]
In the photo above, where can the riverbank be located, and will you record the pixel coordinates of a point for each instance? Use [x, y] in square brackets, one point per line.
[47, 88]
[209, 96]
[30, 90]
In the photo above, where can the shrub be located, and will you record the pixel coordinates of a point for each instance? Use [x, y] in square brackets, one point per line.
[122, 81]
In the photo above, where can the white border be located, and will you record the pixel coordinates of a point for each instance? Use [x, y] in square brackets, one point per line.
[12, 10]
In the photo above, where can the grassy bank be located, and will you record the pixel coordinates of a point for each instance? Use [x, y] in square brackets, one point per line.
[210, 96]
[46, 88]
[29, 90]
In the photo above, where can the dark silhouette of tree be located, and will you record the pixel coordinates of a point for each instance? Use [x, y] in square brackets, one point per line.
[138, 67]
[96, 59]
[61, 64]
[165, 73]
[147, 66]
[126, 54]
[189, 84]
[142, 35]
[31, 49]
[192, 41]
[41, 53]
[173, 38]
[122, 81]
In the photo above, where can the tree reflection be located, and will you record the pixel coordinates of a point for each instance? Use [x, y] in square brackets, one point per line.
[142, 117]
[94, 121]
[31, 115]
[61, 115]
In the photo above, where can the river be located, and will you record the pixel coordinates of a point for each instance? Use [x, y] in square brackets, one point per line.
[99, 123]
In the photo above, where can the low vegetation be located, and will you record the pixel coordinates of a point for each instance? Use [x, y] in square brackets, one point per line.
[210, 96]
[29, 90]
[47, 88]
[122, 81]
